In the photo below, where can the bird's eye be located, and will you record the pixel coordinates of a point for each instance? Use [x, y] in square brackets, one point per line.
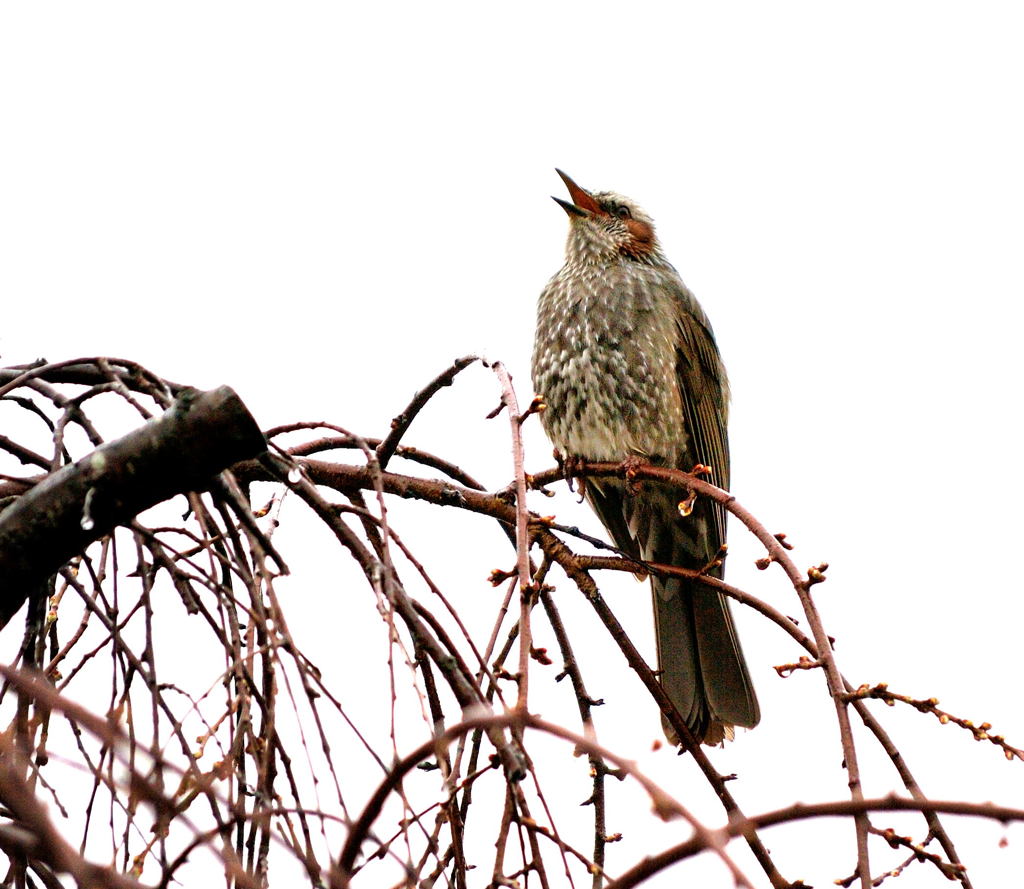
[623, 213]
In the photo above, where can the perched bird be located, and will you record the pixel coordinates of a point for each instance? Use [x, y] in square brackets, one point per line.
[628, 367]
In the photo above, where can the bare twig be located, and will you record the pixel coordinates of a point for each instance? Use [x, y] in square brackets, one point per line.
[401, 423]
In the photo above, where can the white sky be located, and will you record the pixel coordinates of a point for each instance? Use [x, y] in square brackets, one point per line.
[322, 205]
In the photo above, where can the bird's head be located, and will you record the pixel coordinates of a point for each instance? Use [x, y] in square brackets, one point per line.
[605, 225]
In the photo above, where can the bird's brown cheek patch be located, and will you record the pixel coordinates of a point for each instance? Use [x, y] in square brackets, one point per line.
[641, 237]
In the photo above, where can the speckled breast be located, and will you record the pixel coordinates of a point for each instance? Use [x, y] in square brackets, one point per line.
[604, 360]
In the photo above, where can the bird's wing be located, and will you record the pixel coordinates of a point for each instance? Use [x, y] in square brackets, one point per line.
[704, 390]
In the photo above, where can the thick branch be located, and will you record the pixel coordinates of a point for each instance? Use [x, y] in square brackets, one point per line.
[200, 436]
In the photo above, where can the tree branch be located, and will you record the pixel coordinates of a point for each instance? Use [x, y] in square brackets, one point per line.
[200, 436]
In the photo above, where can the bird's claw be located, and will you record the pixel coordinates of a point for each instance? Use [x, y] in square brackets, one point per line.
[570, 467]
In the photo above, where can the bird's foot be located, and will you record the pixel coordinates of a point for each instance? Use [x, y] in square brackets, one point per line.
[570, 466]
[634, 462]
[629, 468]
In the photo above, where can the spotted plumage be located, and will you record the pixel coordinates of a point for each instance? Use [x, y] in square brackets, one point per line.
[627, 364]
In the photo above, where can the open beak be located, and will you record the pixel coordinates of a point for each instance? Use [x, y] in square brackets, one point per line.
[583, 203]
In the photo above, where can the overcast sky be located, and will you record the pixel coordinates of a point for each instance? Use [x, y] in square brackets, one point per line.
[322, 204]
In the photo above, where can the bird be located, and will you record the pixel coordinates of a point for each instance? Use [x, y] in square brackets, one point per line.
[626, 365]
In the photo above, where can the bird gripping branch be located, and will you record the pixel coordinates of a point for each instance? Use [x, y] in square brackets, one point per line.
[627, 364]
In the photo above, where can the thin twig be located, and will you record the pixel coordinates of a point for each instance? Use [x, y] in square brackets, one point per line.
[401, 423]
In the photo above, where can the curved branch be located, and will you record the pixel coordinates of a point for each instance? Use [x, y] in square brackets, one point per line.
[88, 372]
[630, 470]
[664, 805]
[401, 423]
[802, 811]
